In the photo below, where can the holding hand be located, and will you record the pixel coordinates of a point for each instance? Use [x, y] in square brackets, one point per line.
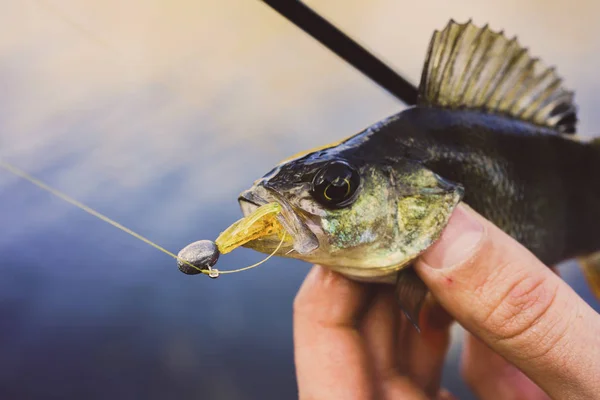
[353, 342]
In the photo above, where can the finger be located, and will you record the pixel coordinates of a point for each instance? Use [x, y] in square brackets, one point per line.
[331, 359]
[491, 377]
[428, 349]
[398, 351]
[380, 329]
[499, 291]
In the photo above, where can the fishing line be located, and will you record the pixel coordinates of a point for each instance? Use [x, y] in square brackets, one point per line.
[212, 272]
[258, 263]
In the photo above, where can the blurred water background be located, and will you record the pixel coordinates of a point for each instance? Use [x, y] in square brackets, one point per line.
[158, 113]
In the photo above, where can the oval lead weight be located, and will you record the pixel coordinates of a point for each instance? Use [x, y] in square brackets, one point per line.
[202, 255]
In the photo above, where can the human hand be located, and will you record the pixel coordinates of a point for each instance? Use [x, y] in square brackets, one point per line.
[353, 342]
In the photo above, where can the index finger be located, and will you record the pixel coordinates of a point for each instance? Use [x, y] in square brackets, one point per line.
[331, 358]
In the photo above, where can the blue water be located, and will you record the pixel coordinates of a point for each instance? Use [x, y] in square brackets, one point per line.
[158, 116]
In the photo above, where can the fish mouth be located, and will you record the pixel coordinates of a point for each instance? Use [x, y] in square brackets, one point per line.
[294, 224]
[249, 202]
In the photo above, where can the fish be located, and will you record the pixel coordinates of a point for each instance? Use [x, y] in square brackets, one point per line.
[493, 128]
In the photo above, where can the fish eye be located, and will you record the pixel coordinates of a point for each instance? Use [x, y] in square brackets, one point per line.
[335, 184]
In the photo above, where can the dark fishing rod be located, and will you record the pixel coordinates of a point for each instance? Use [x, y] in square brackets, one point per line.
[341, 44]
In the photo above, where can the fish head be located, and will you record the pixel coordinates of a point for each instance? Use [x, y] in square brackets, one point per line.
[363, 218]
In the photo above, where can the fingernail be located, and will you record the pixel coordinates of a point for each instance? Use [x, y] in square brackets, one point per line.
[460, 237]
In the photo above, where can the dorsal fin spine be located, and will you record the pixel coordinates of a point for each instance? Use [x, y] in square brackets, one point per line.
[456, 84]
[472, 89]
[528, 91]
[497, 96]
[449, 66]
[439, 62]
[468, 67]
[481, 94]
[465, 85]
[515, 94]
[534, 108]
[499, 78]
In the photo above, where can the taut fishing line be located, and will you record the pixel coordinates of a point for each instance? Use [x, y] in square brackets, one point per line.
[212, 272]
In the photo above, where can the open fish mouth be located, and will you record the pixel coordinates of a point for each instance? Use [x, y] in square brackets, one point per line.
[300, 237]
[250, 201]
[261, 225]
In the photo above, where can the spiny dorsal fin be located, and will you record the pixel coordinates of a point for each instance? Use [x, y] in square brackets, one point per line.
[468, 67]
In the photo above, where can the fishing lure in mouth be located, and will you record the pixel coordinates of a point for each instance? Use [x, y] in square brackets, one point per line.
[201, 256]
[492, 127]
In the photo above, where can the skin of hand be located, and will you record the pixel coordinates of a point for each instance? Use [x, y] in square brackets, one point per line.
[530, 335]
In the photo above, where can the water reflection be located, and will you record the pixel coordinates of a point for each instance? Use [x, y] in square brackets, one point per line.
[158, 114]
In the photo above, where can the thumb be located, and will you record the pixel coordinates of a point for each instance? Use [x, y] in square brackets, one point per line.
[501, 293]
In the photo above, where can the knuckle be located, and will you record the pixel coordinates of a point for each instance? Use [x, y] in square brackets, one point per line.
[503, 292]
[515, 307]
[522, 315]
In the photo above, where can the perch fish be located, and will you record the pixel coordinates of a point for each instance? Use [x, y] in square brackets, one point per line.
[493, 127]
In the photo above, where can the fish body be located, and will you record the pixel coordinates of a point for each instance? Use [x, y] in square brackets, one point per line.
[539, 187]
[492, 128]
